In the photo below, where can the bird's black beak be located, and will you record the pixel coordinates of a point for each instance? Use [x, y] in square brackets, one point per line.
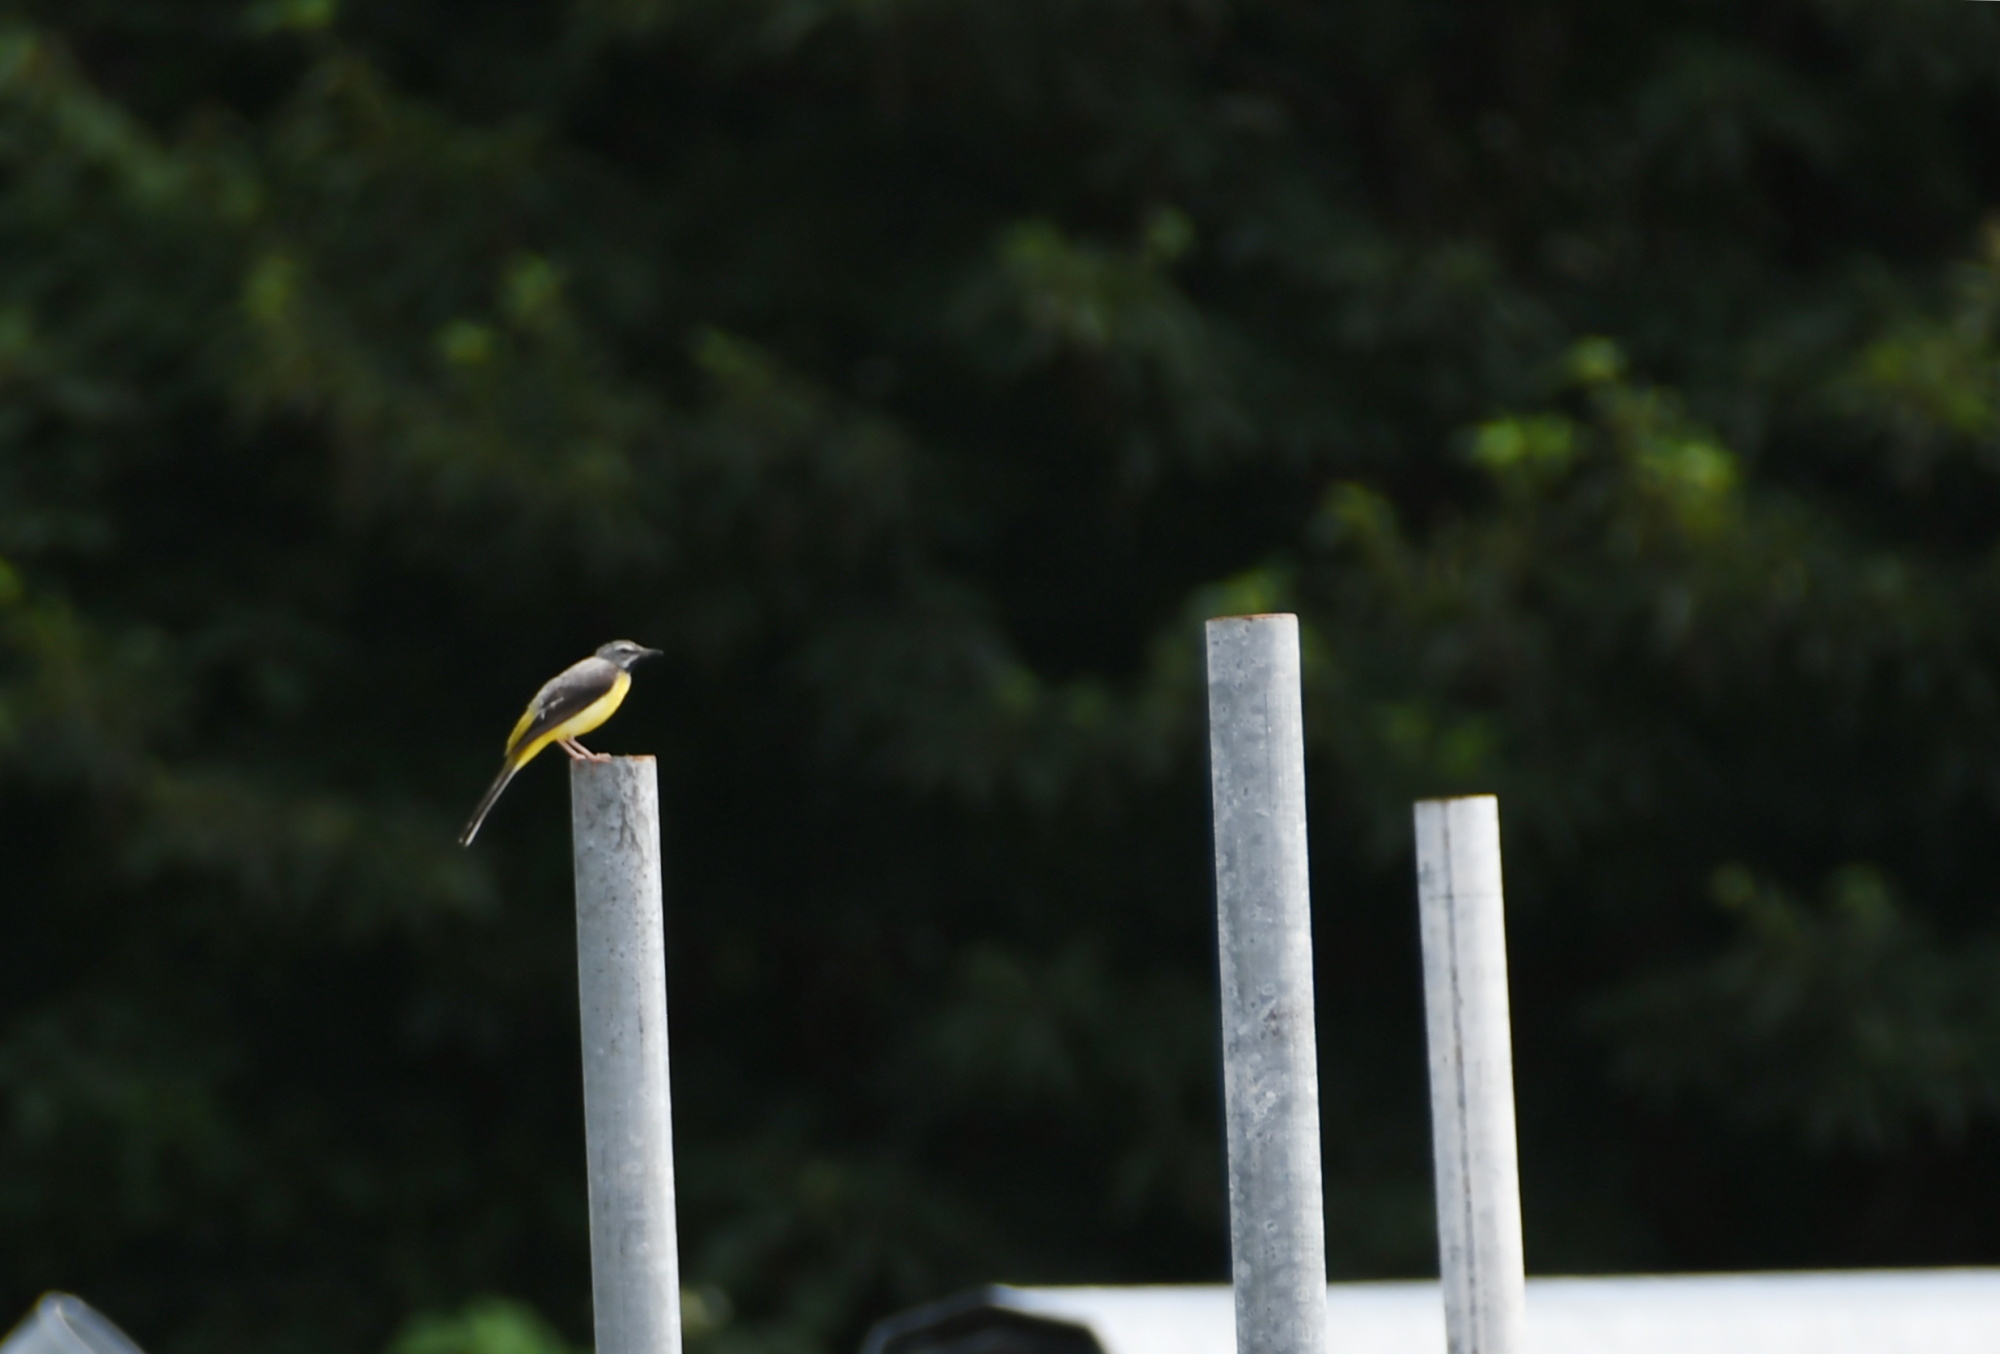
[650, 653]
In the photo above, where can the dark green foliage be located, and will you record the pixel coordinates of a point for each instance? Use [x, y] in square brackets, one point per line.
[1613, 389]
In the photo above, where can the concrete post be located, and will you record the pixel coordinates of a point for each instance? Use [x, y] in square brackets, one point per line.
[1472, 1074]
[628, 1126]
[1277, 1224]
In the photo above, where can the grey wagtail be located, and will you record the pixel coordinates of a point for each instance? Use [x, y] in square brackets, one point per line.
[571, 704]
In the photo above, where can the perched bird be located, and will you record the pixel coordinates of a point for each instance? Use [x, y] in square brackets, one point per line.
[572, 703]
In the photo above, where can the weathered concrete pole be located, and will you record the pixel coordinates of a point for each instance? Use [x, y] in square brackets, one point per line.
[1472, 1074]
[627, 1119]
[1277, 1225]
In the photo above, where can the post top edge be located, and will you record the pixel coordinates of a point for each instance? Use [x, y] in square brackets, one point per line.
[614, 759]
[1254, 616]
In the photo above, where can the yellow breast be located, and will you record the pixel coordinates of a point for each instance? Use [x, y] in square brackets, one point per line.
[580, 723]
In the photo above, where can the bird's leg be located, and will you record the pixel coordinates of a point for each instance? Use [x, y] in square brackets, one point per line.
[573, 749]
[577, 749]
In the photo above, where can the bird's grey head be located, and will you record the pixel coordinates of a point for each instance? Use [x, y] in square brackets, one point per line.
[625, 653]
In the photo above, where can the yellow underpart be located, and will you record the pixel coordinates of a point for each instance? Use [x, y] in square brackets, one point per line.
[578, 724]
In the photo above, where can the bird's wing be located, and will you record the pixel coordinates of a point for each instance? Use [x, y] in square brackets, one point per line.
[568, 692]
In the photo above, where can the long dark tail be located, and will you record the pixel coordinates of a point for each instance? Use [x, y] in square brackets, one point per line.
[486, 803]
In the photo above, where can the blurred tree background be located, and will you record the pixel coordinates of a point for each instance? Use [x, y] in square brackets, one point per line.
[1614, 390]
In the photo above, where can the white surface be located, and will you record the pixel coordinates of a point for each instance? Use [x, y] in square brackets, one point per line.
[1952, 1311]
[62, 1324]
[1463, 922]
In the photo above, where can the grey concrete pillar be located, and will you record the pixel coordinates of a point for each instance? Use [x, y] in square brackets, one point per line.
[627, 1111]
[1277, 1225]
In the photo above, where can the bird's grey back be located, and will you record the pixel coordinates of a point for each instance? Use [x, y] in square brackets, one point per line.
[577, 685]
